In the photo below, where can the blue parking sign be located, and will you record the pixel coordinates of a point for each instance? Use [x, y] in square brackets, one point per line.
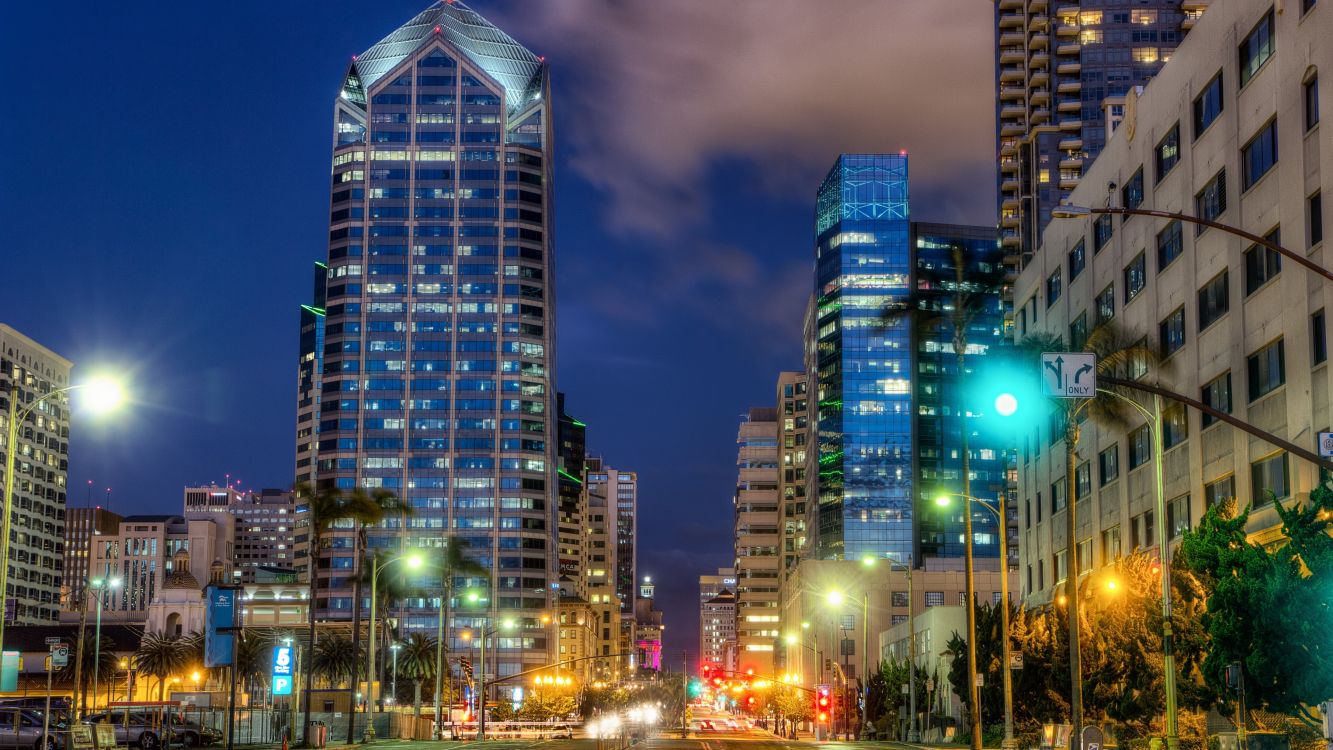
[282, 685]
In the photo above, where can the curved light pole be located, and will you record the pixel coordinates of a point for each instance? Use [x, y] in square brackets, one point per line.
[413, 561]
[99, 585]
[1074, 212]
[104, 395]
[944, 500]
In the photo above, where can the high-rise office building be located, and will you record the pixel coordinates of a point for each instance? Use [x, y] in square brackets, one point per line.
[83, 528]
[888, 433]
[717, 617]
[862, 361]
[601, 544]
[1064, 71]
[793, 405]
[435, 379]
[266, 528]
[309, 372]
[627, 540]
[573, 438]
[29, 371]
[1239, 327]
[758, 539]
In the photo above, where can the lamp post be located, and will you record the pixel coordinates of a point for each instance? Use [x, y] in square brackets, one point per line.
[413, 562]
[998, 509]
[393, 691]
[1073, 212]
[103, 395]
[99, 585]
[481, 674]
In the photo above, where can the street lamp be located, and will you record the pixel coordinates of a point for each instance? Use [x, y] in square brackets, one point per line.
[97, 587]
[413, 561]
[1074, 212]
[506, 624]
[998, 510]
[103, 395]
[393, 692]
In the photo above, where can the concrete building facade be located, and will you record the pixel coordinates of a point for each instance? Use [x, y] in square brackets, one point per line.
[84, 528]
[758, 539]
[1240, 327]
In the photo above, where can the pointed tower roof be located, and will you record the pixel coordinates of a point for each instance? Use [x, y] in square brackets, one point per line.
[487, 47]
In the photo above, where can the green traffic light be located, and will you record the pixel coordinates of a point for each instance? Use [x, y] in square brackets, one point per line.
[1006, 404]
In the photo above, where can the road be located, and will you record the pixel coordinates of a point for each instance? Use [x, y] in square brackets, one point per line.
[735, 740]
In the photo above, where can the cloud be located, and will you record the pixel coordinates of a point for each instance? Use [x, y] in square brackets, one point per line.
[659, 92]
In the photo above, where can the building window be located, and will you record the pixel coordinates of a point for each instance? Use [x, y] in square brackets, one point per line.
[1131, 195]
[1102, 230]
[1318, 338]
[1108, 465]
[934, 598]
[1053, 288]
[1217, 394]
[1168, 151]
[1178, 515]
[1211, 202]
[1076, 261]
[1169, 244]
[1106, 304]
[1307, 5]
[1175, 425]
[1136, 278]
[1258, 155]
[1057, 496]
[1083, 481]
[1267, 370]
[1219, 491]
[1111, 544]
[1085, 555]
[1140, 447]
[900, 599]
[1061, 566]
[1258, 46]
[1171, 332]
[1078, 332]
[1311, 89]
[1142, 531]
[1262, 263]
[1315, 207]
[1208, 105]
[1269, 475]
[1213, 300]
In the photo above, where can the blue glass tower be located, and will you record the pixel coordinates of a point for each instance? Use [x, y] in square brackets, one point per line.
[862, 358]
[436, 379]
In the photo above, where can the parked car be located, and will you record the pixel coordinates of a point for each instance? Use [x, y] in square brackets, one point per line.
[147, 732]
[21, 729]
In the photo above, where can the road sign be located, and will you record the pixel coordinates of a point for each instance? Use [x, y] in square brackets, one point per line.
[282, 685]
[53, 640]
[1326, 444]
[59, 655]
[981, 680]
[1092, 738]
[1016, 660]
[1068, 374]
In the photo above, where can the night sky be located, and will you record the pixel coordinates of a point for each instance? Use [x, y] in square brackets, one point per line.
[166, 190]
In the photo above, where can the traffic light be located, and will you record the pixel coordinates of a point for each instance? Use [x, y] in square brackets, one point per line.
[695, 688]
[823, 703]
[1006, 395]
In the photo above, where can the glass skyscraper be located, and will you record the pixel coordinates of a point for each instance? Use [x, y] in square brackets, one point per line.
[862, 360]
[880, 357]
[437, 324]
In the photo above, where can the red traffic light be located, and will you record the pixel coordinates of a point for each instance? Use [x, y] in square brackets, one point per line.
[823, 717]
[750, 700]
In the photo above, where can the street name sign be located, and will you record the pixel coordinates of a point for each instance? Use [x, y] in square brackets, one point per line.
[1326, 444]
[1068, 374]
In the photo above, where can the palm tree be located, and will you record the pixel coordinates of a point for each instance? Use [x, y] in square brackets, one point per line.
[416, 661]
[454, 563]
[326, 506]
[107, 666]
[161, 656]
[334, 660]
[252, 652]
[1121, 355]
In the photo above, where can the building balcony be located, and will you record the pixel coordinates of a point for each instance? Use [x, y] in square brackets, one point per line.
[1071, 162]
[1039, 115]
[1012, 74]
[1008, 149]
[1066, 29]
[1038, 22]
[1040, 40]
[1068, 48]
[1009, 187]
[1040, 77]
[1071, 124]
[1010, 222]
[1069, 106]
[1069, 87]
[1039, 96]
[1069, 67]
[1009, 204]
[1038, 5]
[1011, 38]
[1011, 21]
[1012, 128]
[1011, 93]
[1074, 143]
[1040, 59]
[1011, 5]
[1066, 11]
[1012, 54]
[1012, 111]
[1010, 239]
[1009, 166]
[1068, 183]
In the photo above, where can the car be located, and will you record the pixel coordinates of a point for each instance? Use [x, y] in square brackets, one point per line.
[147, 732]
[21, 729]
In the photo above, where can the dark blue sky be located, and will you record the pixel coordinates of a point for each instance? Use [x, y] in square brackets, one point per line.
[166, 190]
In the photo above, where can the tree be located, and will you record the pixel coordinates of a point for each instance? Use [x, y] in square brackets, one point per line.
[108, 665]
[792, 704]
[416, 661]
[454, 563]
[1267, 608]
[253, 650]
[161, 656]
[334, 660]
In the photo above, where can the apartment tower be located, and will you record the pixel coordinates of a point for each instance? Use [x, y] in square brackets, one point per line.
[434, 377]
[758, 539]
[1064, 71]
